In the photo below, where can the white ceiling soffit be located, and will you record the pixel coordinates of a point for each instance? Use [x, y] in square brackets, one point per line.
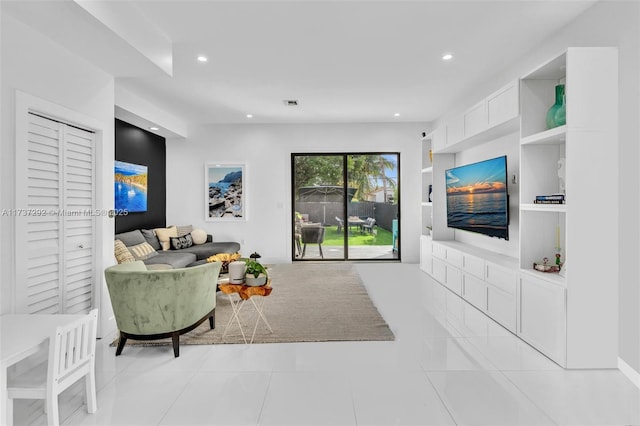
[71, 26]
[144, 114]
[126, 20]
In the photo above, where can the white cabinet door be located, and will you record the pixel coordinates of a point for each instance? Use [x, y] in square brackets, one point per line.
[502, 307]
[503, 105]
[439, 270]
[503, 278]
[475, 119]
[454, 280]
[474, 291]
[425, 254]
[439, 251]
[454, 257]
[473, 265]
[439, 139]
[455, 130]
[542, 319]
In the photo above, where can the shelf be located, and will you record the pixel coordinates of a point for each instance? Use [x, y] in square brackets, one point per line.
[532, 207]
[427, 170]
[555, 136]
[551, 277]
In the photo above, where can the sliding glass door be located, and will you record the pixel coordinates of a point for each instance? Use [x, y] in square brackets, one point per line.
[345, 206]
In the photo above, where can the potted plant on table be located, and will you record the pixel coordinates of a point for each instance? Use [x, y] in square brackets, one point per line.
[256, 273]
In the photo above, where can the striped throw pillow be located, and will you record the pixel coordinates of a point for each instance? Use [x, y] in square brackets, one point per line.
[142, 251]
[184, 230]
[121, 252]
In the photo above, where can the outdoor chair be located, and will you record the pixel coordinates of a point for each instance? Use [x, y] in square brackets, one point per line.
[312, 235]
[72, 352]
[340, 224]
[369, 225]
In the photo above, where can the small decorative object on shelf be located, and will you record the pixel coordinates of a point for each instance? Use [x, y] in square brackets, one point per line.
[557, 114]
[431, 156]
[430, 192]
[545, 266]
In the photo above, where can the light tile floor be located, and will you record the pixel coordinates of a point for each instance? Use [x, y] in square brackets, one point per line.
[448, 365]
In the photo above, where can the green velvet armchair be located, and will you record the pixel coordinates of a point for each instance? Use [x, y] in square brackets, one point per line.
[155, 304]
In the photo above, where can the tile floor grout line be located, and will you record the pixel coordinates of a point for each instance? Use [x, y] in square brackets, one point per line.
[264, 399]
[444, 404]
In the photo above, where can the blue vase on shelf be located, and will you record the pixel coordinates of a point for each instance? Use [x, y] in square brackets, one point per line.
[557, 114]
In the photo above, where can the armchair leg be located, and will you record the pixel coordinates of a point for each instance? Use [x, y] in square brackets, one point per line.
[121, 342]
[212, 320]
[175, 338]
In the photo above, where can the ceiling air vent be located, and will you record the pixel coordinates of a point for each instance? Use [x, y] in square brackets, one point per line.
[290, 102]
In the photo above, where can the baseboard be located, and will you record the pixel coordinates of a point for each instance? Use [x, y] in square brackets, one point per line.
[631, 374]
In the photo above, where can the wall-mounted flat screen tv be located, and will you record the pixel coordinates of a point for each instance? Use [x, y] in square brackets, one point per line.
[477, 198]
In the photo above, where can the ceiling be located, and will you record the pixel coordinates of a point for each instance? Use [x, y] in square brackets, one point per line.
[343, 61]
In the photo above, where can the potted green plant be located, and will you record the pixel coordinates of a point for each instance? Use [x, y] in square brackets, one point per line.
[256, 273]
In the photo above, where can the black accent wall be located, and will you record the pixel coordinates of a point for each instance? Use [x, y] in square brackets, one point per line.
[135, 145]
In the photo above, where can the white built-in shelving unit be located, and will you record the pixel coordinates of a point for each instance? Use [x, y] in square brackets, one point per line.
[570, 317]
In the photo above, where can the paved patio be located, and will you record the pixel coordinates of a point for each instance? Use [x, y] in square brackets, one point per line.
[355, 252]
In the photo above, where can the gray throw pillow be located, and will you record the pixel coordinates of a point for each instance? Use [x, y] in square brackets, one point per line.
[131, 238]
[151, 237]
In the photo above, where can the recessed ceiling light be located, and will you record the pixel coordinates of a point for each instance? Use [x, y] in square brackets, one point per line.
[202, 58]
[154, 128]
[447, 56]
[397, 114]
[249, 115]
[291, 102]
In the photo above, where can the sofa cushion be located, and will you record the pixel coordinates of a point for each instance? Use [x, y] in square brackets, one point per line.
[177, 259]
[202, 251]
[164, 234]
[131, 238]
[143, 251]
[178, 243]
[151, 237]
[122, 253]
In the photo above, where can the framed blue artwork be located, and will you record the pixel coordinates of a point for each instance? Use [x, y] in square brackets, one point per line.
[130, 187]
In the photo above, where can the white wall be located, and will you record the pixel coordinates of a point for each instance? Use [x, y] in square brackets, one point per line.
[609, 23]
[34, 65]
[266, 151]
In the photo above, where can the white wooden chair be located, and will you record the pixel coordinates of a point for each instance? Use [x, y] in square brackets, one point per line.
[71, 357]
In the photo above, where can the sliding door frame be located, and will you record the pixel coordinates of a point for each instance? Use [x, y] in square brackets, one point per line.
[344, 155]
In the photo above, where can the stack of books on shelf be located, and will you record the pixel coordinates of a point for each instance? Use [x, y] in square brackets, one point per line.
[550, 199]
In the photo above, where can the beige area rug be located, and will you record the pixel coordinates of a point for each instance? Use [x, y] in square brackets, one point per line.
[310, 302]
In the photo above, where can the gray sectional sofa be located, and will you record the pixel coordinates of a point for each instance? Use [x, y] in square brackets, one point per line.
[173, 258]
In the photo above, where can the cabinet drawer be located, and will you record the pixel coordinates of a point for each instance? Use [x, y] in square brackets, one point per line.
[474, 265]
[454, 257]
[439, 270]
[542, 320]
[475, 119]
[503, 105]
[474, 291]
[439, 251]
[454, 280]
[455, 130]
[502, 307]
[503, 278]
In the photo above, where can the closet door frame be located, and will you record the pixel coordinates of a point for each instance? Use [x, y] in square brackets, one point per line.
[26, 103]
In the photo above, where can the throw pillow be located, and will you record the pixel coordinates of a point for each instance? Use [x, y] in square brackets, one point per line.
[142, 251]
[122, 253]
[199, 236]
[184, 230]
[164, 234]
[130, 238]
[178, 243]
[150, 236]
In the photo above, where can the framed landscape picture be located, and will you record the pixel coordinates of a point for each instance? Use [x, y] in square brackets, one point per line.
[130, 187]
[225, 198]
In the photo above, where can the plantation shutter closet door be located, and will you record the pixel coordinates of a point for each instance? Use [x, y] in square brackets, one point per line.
[54, 221]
